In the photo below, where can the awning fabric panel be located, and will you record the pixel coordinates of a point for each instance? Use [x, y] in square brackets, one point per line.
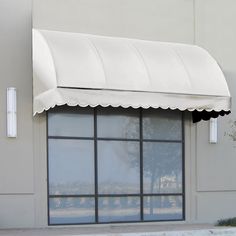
[87, 70]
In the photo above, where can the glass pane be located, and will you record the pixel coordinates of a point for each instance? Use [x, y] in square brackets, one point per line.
[118, 167]
[162, 167]
[163, 208]
[71, 210]
[113, 209]
[118, 123]
[75, 123]
[71, 166]
[162, 124]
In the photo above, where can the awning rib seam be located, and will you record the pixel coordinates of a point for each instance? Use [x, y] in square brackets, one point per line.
[96, 52]
[140, 56]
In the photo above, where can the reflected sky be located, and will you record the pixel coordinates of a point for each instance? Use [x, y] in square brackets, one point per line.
[162, 124]
[116, 172]
[71, 166]
[71, 124]
[119, 123]
[72, 170]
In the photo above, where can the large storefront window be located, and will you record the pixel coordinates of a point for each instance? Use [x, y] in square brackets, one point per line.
[114, 165]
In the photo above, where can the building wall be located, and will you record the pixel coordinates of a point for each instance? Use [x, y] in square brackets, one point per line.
[210, 185]
[16, 155]
[215, 30]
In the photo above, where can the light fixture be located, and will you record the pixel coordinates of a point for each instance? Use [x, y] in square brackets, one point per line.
[11, 113]
[213, 130]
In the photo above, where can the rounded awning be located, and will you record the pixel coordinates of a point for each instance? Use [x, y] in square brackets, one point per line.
[89, 70]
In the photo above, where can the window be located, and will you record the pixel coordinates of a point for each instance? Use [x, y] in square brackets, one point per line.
[114, 165]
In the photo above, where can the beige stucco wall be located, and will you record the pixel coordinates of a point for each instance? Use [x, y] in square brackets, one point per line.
[16, 155]
[210, 174]
[215, 30]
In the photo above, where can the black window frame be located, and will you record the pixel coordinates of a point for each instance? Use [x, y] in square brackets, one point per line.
[96, 195]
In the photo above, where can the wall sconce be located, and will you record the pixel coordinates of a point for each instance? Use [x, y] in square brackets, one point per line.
[11, 113]
[213, 130]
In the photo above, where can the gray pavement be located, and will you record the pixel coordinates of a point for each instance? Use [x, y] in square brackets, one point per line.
[126, 230]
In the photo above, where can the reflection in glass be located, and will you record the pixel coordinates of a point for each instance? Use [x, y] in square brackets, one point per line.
[118, 123]
[71, 123]
[71, 166]
[113, 209]
[163, 208]
[162, 124]
[162, 167]
[71, 210]
[118, 167]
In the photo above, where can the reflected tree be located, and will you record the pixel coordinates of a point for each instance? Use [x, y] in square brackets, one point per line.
[161, 161]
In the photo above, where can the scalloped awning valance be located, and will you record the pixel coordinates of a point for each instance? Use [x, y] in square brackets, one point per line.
[88, 70]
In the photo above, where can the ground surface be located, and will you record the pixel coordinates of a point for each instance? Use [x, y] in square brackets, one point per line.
[126, 230]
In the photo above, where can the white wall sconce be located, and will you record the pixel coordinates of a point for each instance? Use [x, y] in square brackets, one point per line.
[213, 130]
[11, 113]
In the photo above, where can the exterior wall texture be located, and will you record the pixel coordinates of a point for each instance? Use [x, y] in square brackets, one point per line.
[16, 156]
[209, 168]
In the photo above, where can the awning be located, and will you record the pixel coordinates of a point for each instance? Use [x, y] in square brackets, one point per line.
[89, 70]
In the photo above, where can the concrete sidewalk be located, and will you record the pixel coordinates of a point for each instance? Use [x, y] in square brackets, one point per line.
[126, 230]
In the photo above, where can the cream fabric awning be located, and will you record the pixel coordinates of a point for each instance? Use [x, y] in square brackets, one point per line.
[89, 70]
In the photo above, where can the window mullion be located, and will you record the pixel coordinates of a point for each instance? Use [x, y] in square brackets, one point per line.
[141, 163]
[95, 166]
[137, 200]
[183, 166]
